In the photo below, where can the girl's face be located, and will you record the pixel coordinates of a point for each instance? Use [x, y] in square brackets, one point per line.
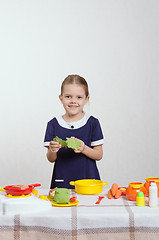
[73, 99]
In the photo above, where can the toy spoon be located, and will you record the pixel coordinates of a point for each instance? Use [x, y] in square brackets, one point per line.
[99, 199]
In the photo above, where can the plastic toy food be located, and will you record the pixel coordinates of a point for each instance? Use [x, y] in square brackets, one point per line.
[35, 192]
[114, 192]
[147, 184]
[60, 141]
[114, 188]
[43, 197]
[70, 142]
[21, 187]
[72, 199]
[110, 195]
[52, 193]
[62, 195]
[133, 189]
[117, 194]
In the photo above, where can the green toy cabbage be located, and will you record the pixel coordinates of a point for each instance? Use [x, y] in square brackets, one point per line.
[70, 142]
[62, 196]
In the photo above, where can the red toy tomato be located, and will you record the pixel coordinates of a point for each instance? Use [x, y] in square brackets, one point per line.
[72, 199]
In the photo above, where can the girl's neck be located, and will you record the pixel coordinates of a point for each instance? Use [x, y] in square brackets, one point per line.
[73, 118]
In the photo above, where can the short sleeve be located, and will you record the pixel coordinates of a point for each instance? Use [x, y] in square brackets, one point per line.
[49, 134]
[97, 135]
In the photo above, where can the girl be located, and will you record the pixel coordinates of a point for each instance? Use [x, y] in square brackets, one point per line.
[72, 165]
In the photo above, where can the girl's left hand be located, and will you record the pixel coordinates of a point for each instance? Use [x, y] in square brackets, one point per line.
[81, 147]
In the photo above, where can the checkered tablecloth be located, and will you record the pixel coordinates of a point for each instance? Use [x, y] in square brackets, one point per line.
[112, 219]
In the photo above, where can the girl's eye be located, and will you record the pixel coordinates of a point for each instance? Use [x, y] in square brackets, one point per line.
[79, 97]
[67, 96]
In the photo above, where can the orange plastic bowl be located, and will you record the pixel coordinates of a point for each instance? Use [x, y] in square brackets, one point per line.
[147, 183]
[133, 189]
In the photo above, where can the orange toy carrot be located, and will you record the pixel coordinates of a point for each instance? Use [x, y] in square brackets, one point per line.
[114, 188]
[117, 194]
[110, 195]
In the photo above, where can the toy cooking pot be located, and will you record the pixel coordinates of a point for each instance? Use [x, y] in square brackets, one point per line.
[147, 183]
[88, 186]
[18, 190]
[133, 189]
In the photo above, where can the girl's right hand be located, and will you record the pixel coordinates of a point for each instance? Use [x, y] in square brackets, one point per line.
[54, 146]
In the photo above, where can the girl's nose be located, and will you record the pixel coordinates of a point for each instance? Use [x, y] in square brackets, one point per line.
[73, 100]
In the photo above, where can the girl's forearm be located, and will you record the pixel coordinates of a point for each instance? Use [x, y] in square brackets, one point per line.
[51, 156]
[95, 153]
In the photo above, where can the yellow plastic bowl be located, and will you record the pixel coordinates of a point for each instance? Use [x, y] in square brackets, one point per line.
[88, 186]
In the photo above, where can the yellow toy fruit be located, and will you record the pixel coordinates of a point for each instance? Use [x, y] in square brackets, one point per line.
[35, 192]
[43, 197]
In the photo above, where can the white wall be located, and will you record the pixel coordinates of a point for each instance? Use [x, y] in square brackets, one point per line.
[114, 45]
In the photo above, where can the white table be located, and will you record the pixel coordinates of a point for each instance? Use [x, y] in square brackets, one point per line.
[112, 219]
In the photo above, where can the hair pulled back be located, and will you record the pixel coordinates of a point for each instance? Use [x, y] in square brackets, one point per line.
[74, 78]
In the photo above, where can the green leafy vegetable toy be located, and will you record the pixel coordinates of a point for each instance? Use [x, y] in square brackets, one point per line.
[70, 142]
[62, 142]
[73, 143]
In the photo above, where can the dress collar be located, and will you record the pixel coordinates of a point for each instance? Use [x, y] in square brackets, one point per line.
[73, 125]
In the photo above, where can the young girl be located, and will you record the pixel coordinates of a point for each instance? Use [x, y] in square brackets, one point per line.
[72, 165]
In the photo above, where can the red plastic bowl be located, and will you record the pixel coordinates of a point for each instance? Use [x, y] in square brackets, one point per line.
[18, 190]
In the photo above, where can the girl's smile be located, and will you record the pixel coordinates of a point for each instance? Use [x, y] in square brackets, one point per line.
[73, 100]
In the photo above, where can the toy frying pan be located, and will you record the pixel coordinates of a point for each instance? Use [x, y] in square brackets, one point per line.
[17, 190]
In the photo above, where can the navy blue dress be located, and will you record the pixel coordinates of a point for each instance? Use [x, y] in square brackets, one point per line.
[71, 166]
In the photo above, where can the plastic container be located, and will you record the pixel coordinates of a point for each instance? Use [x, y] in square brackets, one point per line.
[140, 200]
[147, 183]
[18, 190]
[123, 190]
[153, 191]
[88, 186]
[133, 189]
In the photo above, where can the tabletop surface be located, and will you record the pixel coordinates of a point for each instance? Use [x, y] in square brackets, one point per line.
[111, 219]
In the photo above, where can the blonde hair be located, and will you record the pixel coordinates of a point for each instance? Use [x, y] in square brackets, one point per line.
[70, 79]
